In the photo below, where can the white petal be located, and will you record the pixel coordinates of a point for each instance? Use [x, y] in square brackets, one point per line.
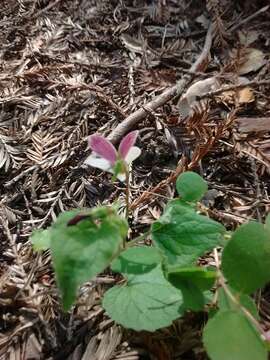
[98, 162]
[133, 154]
[121, 177]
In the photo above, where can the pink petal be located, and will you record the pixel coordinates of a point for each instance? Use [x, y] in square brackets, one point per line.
[102, 147]
[127, 142]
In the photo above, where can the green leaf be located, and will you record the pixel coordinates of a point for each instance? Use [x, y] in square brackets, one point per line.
[192, 281]
[246, 258]
[225, 303]
[81, 251]
[201, 277]
[193, 297]
[191, 186]
[230, 336]
[183, 235]
[41, 239]
[137, 260]
[147, 302]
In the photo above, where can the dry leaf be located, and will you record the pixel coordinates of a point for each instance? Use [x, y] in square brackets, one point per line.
[238, 97]
[253, 60]
[188, 100]
[248, 37]
[245, 96]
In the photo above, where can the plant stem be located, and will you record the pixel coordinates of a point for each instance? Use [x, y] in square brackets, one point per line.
[127, 192]
[236, 302]
[137, 239]
[127, 200]
[231, 296]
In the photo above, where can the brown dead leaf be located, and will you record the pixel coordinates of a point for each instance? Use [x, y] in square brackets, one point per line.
[248, 37]
[245, 96]
[253, 60]
[199, 88]
[237, 97]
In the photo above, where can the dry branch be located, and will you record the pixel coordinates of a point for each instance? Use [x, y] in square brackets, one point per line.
[199, 65]
[253, 124]
[253, 84]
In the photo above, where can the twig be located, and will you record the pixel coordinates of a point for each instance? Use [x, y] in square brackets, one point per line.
[166, 96]
[182, 166]
[234, 87]
[47, 8]
[140, 114]
[251, 17]
[160, 186]
[139, 238]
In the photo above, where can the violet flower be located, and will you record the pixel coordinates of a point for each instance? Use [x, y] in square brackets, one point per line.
[107, 158]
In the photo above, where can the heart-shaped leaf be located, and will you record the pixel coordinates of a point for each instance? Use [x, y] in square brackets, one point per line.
[146, 302]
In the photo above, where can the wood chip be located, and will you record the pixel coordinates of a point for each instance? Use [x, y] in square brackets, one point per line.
[253, 124]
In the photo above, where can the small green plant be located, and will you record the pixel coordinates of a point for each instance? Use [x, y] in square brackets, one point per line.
[163, 281]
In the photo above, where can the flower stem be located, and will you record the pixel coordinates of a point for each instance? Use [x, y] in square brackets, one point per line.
[127, 193]
[127, 201]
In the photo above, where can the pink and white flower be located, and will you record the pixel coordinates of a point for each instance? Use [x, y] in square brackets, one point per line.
[106, 157]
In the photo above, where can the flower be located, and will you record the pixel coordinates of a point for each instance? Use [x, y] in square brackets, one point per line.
[107, 158]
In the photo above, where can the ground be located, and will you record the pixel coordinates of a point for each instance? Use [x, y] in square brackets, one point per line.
[70, 68]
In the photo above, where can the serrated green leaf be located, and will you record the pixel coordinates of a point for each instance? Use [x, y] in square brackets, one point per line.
[147, 302]
[225, 303]
[137, 260]
[191, 186]
[230, 336]
[246, 258]
[81, 251]
[183, 235]
[41, 239]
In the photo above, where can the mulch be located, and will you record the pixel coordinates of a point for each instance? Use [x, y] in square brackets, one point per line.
[70, 68]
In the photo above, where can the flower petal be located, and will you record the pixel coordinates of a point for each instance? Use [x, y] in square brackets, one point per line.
[121, 177]
[102, 147]
[98, 162]
[127, 142]
[133, 154]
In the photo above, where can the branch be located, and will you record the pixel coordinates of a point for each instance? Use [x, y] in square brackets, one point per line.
[249, 18]
[199, 65]
[253, 84]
